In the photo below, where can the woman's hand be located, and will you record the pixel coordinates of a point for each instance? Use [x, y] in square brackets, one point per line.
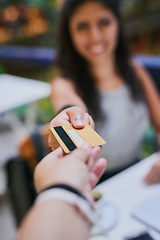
[154, 174]
[78, 169]
[72, 115]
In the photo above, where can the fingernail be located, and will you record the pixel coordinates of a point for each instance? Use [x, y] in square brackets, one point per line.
[85, 145]
[79, 122]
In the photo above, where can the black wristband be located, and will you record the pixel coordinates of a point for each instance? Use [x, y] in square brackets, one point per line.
[65, 107]
[68, 188]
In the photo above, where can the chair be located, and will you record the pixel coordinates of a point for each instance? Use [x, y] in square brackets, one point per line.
[34, 147]
[20, 171]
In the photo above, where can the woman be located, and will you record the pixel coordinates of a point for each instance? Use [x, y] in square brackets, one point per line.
[98, 76]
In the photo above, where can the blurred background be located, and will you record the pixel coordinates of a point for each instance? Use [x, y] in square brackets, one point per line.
[28, 29]
[27, 49]
[32, 23]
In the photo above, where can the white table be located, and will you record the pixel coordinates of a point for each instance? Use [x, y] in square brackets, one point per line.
[126, 190]
[17, 91]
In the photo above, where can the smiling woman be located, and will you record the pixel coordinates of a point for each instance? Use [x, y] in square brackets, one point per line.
[98, 75]
[94, 31]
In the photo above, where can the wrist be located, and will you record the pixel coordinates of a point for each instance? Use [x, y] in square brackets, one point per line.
[54, 182]
[64, 107]
[70, 195]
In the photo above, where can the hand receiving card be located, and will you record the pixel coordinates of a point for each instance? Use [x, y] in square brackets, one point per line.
[70, 138]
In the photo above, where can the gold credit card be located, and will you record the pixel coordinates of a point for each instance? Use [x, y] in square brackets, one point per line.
[70, 138]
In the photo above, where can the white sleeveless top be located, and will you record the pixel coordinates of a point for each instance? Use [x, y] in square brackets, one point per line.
[123, 128]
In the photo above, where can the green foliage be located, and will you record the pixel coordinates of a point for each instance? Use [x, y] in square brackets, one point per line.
[2, 69]
[149, 144]
[22, 32]
[45, 111]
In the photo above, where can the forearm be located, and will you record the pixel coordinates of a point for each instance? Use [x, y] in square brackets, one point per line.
[151, 94]
[63, 93]
[54, 220]
[61, 101]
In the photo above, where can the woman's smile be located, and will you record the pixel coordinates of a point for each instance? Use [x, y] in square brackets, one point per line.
[96, 49]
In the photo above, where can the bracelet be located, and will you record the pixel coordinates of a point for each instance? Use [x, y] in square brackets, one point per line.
[70, 195]
[65, 107]
[66, 187]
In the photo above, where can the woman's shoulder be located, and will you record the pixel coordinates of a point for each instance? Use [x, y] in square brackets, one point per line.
[59, 80]
[142, 73]
[140, 70]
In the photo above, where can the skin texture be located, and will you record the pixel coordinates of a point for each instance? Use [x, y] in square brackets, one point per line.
[79, 170]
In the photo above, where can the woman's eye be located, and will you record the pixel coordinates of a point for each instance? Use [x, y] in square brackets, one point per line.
[104, 22]
[82, 26]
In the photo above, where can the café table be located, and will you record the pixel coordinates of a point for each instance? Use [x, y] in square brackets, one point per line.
[123, 192]
[16, 91]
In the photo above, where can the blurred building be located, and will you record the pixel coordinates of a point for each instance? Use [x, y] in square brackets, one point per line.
[142, 25]
[28, 24]
[32, 23]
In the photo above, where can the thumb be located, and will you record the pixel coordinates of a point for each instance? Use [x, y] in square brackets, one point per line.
[76, 116]
[82, 153]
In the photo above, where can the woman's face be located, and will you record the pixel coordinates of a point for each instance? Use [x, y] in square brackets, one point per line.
[94, 32]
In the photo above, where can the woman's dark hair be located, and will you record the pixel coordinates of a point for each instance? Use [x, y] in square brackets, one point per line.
[74, 66]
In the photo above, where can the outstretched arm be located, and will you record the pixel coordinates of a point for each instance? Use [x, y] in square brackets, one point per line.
[151, 95]
[153, 101]
[64, 93]
[57, 219]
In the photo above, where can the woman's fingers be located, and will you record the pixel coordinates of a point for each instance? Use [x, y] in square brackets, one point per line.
[97, 171]
[82, 153]
[154, 174]
[76, 117]
[89, 120]
[72, 115]
[95, 152]
[61, 119]
[89, 156]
